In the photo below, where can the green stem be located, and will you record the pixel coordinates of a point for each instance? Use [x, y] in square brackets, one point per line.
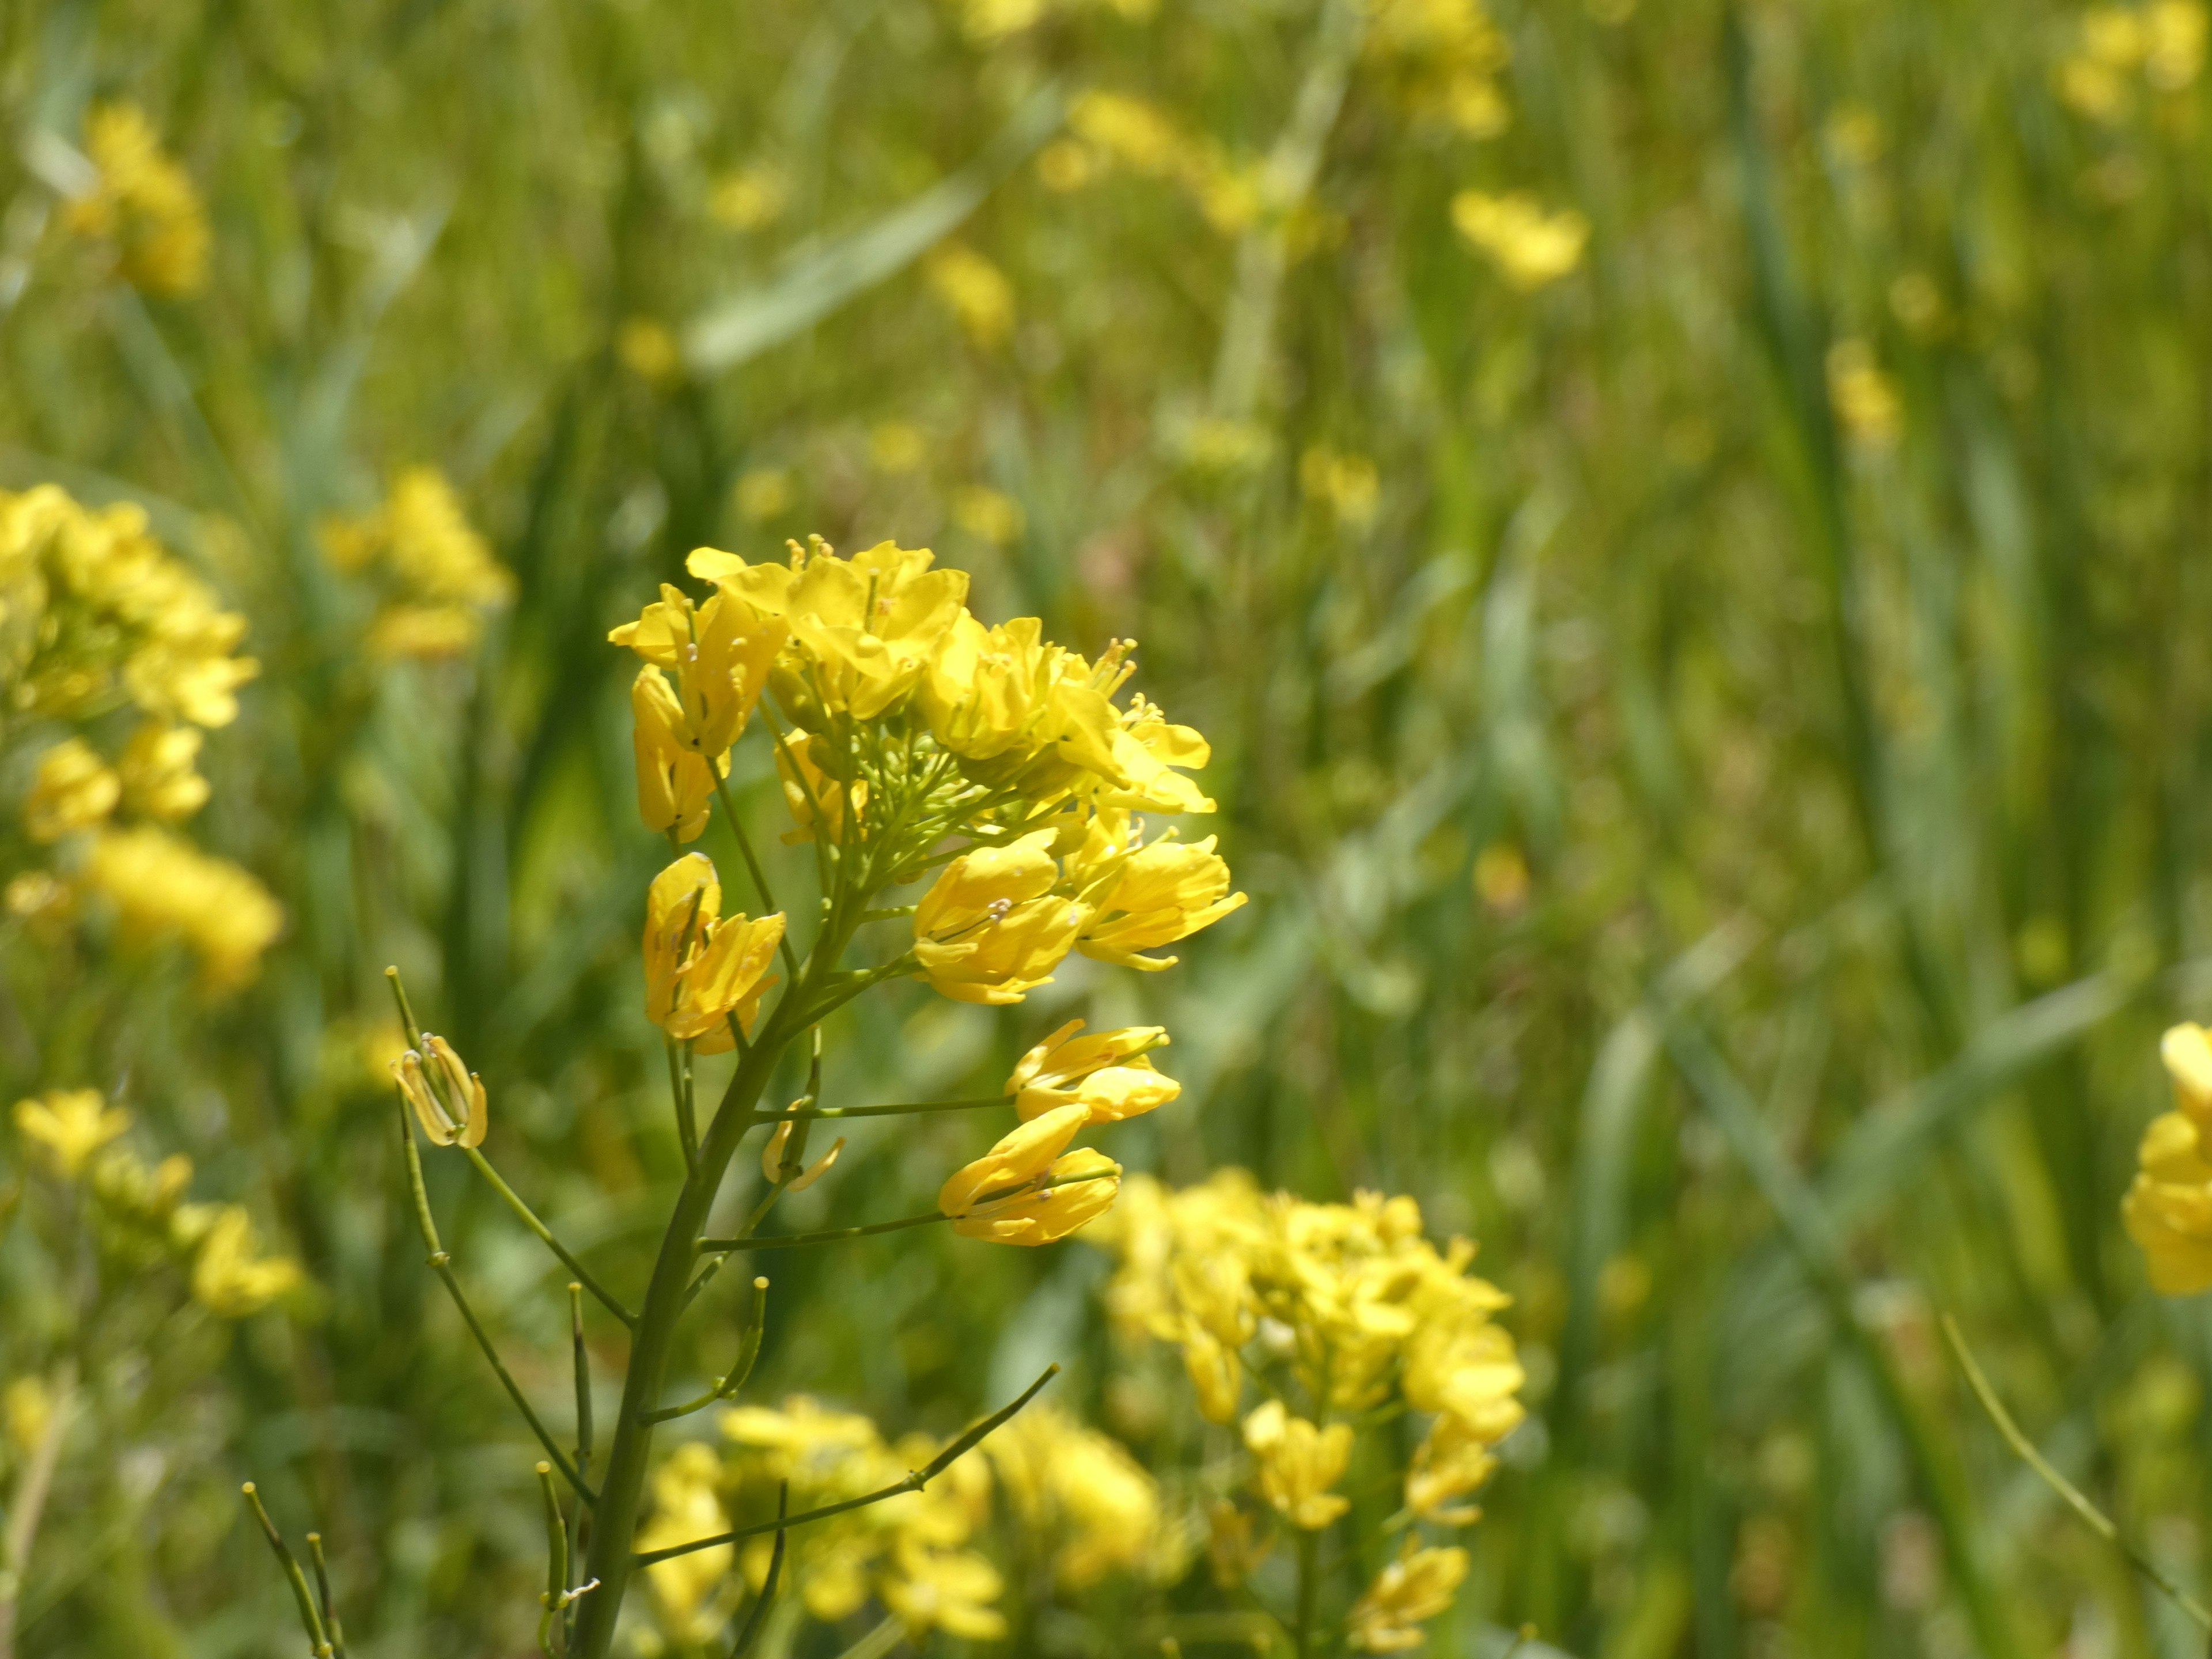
[757, 1620]
[748, 1354]
[1309, 1592]
[830, 1236]
[528, 1218]
[310, 1619]
[687, 1126]
[913, 1482]
[329, 1603]
[769, 906]
[910, 1109]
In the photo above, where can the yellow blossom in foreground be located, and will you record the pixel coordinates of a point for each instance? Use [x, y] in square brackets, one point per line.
[990, 928]
[675, 781]
[1299, 1462]
[702, 969]
[163, 888]
[1107, 1073]
[73, 790]
[1150, 897]
[1028, 1189]
[1412, 1589]
[69, 1125]
[685, 1507]
[975, 291]
[1082, 1492]
[449, 1098]
[144, 204]
[1530, 247]
[2168, 1209]
[720, 654]
[229, 1279]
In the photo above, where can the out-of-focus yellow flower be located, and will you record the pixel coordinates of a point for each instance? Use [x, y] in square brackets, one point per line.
[1501, 877]
[90, 603]
[1855, 134]
[1233, 1548]
[1083, 1494]
[990, 929]
[983, 511]
[442, 574]
[1224, 448]
[897, 447]
[1146, 895]
[68, 1126]
[230, 1279]
[164, 888]
[1346, 486]
[124, 1186]
[449, 1098]
[1108, 1073]
[1440, 59]
[1299, 1462]
[27, 1407]
[1412, 1589]
[2169, 1209]
[1066, 165]
[763, 493]
[41, 899]
[2174, 33]
[159, 772]
[1451, 1461]
[1112, 129]
[986, 21]
[750, 197]
[1530, 247]
[648, 350]
[685, 1507]
[2163, 43]
[1134, 133]
[675, 781]
[73, 790]
[1028, 1189]
[951, 1590]
[975, 291]
[702, 969]
[143, 204]
[1864, 399]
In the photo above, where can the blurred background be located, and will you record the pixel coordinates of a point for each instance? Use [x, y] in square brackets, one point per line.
[1686, 524]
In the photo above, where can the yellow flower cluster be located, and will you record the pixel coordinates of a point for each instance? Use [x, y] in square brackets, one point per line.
[440, 574]
[1531, 247]
[142, 206]
[1441, 60]
[911, 1552]
[1351, 1298]
[1865, 400]
[72, 1131]
[94, 614]
[975, 291]
[1111, 130]
[1080, 1495]
[2168, 1209]
[2162, 44]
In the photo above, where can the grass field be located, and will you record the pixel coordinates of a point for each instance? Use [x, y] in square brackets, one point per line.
[1685, 526]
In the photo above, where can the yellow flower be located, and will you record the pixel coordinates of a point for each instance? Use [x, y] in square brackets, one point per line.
[897, 447]
[981, 511]
[1451, 1461]
[773, 1166]
[974, 291]
[1441, 58]
[1530, 246]
[162, 887]
[1136, 134]
[143, 203]
[1146, 896]
[988, 690]
[1231, 1548]
[675, 781]
[720, 654]
[1347, 485]
[449, 1098]
[701, 969]
[27, 1408]
[1107, 1073]
[1147, 751]
[229, 1279]
[443, 569]
[1864, 399]
[806, 786]
[951, 1590]
[2173, 43]
[2168, 1210]
[1415, 1588]
[73, 790]
[990, 929]
[685, 1507]
[425, 632]
[2186, 1052]
[159, 775]
[1072, 1485]
[126, 1186]
[763, 492]
[1025, 1191]
[71, 1125]
[1297, 1463]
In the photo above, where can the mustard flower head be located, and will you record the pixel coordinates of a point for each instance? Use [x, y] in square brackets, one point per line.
[230, 1277]
[1108, 1074]
[703, 970]
[73, 790]
[1028, 1188]
[1299, 1462]
[162, 888]
[1412, 1589]
[142, 206]
[437, 577]
[2168, 1208]
[1095, 1506]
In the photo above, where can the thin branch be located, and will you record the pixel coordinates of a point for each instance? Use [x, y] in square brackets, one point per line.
[2095, 1518]
[528, 1218]
[753, 865]
[757, 1620]
[311, 1620]
[796, 1241]
[728, 1384]
[329, 1603]
[913, 1482]
[906, 1109]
